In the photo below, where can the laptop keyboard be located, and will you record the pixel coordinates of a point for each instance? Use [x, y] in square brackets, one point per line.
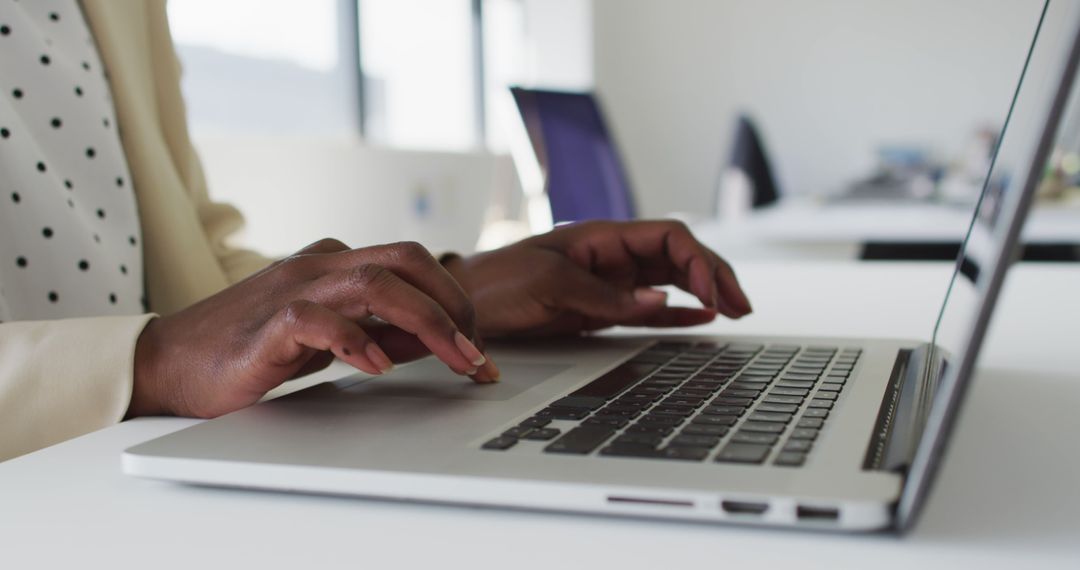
[731, 403]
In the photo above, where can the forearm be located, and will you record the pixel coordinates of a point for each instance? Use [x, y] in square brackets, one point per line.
[60, 379]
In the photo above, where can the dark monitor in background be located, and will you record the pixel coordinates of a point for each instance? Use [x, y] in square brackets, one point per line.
[584, 177]
[748, 155]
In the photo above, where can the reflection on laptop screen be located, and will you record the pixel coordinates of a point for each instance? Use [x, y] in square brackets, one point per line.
[1041, 100]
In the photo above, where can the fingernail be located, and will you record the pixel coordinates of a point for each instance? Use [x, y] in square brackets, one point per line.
[645, 296]
[492, 370]
[379, 358]
[471, 371]
[469, 350]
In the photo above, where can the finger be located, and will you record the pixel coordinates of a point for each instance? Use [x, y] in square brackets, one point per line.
[662, 252]
[582, 292]
[679, 317]
[373, 290]
[701, 271]
[730, 288]
[415, 265]
[325, 245]
[303, 325]
[488, 373]
[404, 347]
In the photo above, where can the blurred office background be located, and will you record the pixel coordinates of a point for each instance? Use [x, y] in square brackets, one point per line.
[383, 120]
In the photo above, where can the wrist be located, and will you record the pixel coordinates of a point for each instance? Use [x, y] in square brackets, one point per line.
[147, 391]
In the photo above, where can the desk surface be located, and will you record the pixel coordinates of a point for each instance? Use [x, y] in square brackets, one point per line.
[1006, 496]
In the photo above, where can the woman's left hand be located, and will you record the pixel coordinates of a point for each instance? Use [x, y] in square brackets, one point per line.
[594, 275]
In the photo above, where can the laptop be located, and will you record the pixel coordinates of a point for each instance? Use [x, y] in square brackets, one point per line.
[840, 434]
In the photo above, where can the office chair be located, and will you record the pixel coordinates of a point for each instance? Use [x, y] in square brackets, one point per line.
[748, 156]
[583, 176]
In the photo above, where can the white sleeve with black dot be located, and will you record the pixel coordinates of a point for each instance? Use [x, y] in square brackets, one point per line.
[70, 244]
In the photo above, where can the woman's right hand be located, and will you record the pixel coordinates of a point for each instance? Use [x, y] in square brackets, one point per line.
[368, 307]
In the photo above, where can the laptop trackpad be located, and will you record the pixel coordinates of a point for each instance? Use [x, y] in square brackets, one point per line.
[430, 378]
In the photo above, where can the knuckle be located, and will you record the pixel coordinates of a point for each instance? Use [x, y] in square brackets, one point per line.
[293, 268]
[411, 252]
[678, 226]
[368, 276]
[329, 244]
[295, 313]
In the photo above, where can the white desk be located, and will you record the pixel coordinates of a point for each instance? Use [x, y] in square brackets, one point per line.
[800, 228]
[1006, 498]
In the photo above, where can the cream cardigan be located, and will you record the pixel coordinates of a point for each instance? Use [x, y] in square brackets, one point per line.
[61, 379]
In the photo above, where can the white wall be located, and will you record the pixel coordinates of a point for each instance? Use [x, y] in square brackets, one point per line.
[560, 42]
[829, 81]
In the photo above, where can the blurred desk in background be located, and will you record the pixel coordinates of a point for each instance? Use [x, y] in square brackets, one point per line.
[802, 229]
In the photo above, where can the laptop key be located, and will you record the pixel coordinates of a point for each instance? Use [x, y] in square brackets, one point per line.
[682, 401]
[770, 417]
[583, 402]
[694, 440]
[621, 410]
[708, 420]
[779, 408]
[771, 399]
[612, 421]
[784, 383]
[804, 433]
[825, 404]
[535, 422]
[814, 423]
[615, 381]
[743, 385]
[685, 452]
[730, 393]
[790, 459]
[701, 429]
[580, 440]
[801, 445]
[652, 439]
[816, 413]
[563, 413]
[743, 453]
[724, 410]
[632, 450]
[829, 388]
[789, 392]
[681, 411]
[825, 395]
[542, 434]
[500, 443]
[517, 432]
[730, 401]
[707, 387]
[754, 437]
[687, 392]
[763, 427]
[653, 419]
[656, 429]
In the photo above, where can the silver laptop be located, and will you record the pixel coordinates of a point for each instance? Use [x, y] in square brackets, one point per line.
[825, 433]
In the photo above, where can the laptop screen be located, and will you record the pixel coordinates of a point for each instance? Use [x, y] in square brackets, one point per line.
[1018, 171]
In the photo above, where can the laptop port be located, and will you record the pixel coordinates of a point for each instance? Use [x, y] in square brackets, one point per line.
[650, 502]
[744, 507]
[817, 513]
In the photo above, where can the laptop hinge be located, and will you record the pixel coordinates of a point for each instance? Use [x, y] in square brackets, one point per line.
[903, 410]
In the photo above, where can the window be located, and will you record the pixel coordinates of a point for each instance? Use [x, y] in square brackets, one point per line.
[268, 66]
[420, 87]
[433, 73]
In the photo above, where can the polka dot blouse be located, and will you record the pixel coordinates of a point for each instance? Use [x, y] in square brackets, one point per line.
[69, 229]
